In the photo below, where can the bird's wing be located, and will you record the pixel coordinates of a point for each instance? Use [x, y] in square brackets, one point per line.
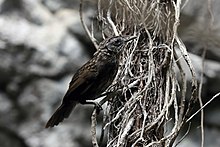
[81, 81]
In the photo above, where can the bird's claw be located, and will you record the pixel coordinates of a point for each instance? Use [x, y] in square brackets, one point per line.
[98, 108]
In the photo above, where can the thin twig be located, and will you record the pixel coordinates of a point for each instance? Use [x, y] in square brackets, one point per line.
[200, 98]
[93, 128]
[214, 97]
[110, 20]
[85, 27]
[184, 136]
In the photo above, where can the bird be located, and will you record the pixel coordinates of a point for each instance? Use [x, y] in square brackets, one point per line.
[92, 79]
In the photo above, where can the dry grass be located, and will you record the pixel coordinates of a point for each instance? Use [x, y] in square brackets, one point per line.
[146, 86]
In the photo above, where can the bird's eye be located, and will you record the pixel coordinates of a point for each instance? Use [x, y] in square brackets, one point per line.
[117, 42]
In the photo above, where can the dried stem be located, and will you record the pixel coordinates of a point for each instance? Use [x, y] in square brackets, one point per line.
[85, 27]
[93, 128]
[146, 86]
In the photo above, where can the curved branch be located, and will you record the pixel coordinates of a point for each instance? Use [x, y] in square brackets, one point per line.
[85, 27]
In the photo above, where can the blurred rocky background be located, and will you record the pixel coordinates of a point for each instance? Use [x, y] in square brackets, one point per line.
[42, 43]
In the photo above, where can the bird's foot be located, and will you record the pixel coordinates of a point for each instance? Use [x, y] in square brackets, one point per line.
[98, 108]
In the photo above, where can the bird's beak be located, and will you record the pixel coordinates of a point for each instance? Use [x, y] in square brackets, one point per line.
[130, 38]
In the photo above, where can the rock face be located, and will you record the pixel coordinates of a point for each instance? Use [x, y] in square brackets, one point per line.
[42, 43]
[38, 55]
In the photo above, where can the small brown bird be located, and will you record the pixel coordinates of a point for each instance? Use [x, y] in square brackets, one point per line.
[92, 79]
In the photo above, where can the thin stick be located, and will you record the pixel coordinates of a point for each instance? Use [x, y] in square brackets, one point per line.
[93, 129]
[200, 99]
[85, 27]
[215, 96]
[110, 20]
[184, 136]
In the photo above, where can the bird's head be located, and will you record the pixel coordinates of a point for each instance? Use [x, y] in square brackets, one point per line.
[115, 44]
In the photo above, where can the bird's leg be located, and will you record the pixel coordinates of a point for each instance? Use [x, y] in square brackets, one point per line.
[98, 107]
[108, 95]
[105, 93]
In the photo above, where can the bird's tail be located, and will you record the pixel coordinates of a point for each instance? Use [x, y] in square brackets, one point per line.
[62, 112]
